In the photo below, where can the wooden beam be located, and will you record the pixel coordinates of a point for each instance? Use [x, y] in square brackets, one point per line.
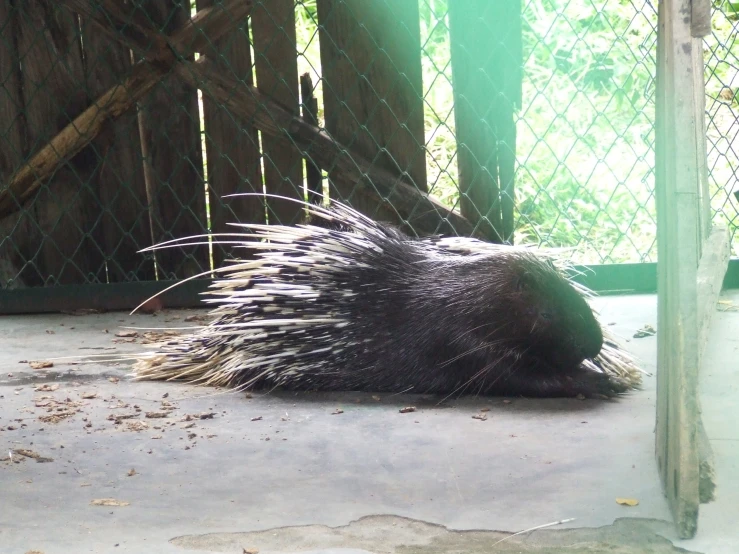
[711, 272]
[706, 467]
[710, 276]
[700, 18]
[486, 58]
[680, 234]
[715, 252]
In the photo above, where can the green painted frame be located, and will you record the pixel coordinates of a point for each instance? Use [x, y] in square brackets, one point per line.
[610, 279]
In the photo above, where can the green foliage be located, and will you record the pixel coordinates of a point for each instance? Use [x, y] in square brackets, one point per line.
[309, 55]
[584, 149]
[585, 146]
[441, 146]
[721, 53]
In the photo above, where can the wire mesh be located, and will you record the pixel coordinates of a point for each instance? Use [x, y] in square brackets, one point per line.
[551, 143]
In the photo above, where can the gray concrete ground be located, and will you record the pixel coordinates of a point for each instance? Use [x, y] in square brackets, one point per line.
[222, 472]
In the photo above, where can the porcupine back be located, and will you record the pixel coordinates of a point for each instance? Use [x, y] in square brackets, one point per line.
[355, 305]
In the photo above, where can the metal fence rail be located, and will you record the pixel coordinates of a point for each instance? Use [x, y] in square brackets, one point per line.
[526, 121]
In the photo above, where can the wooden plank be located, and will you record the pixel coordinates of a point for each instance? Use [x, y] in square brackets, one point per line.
[422, 211]
[679, 232]
[373, 95]
[710, 277]
[120, 174]
[12, 146]
[62, 247]
[700, 18]
[11, 129]
[170, 134]
[232, 145]
[706, 467]
[275, 52]
[486, 60]
[711, 273]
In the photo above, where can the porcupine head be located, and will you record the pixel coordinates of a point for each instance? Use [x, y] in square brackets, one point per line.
[429, 315]
[560, 319]
[500, 320]
[528, 307]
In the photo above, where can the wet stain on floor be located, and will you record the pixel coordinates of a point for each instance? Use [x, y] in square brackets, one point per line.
[386, 534]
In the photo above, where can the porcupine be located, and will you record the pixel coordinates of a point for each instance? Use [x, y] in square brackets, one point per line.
[347, 303]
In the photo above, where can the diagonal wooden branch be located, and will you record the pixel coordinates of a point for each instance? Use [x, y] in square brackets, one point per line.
[272, 119]
[207, 24]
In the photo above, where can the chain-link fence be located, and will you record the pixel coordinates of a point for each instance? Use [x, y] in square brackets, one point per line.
[585, 144]
[721, 52]
[524, 120]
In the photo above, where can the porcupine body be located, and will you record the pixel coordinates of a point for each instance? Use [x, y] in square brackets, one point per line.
[355, 305]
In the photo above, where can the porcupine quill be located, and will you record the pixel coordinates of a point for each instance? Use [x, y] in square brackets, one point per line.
[347, 303]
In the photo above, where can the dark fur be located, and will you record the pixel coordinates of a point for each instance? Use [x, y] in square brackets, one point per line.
[505, 323]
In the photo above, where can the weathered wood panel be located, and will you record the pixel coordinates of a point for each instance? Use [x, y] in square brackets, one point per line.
[276, 63]
[710, 277]
[231, 144]
[679, 237]
[63, 241]
[700, 18]
[11, 124]
[486, 58]
[170, 134]
[712, 268]
[372, 88]
[120, 173]
[707, 467]
[12, 144]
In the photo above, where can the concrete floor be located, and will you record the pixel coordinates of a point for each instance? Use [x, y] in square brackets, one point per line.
[284, 473]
